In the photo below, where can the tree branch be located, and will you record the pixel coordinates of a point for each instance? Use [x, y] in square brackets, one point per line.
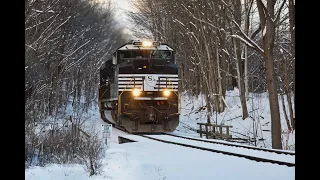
[253, 44]
[256, 32]
[279, 12]
[266, 13]
[200, 19]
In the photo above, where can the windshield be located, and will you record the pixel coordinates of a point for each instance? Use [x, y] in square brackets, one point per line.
[144, 66]
[150, 54]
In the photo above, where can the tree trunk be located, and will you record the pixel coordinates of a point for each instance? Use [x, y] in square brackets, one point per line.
[247, 16]
[92, 172]
[237, 50]
[268, 36]
[240, 81]
[273, 100]
[292, 32]
[223, 63]
[219, 97]
[246, 80]
[287, 91]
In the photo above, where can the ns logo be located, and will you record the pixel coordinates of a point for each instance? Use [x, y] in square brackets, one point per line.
[151, 78]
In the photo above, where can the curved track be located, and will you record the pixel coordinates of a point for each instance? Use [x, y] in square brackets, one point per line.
[255, 158]
[235, 145]
[250, 157]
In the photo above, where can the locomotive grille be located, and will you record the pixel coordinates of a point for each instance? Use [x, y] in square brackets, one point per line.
[167, 83]
[127, 82]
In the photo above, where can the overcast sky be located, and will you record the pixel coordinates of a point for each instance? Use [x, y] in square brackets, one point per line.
[121, 7]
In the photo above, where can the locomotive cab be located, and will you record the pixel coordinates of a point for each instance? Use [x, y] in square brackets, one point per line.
[139, 88]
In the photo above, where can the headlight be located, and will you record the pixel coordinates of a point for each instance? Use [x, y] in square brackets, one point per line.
[166, 92]
[146, 43]
[136, 92]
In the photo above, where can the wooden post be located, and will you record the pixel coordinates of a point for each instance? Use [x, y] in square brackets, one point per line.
[206, 125]
[200, 130]
[227, 130]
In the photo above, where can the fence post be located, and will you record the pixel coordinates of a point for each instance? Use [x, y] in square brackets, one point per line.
[206, 126]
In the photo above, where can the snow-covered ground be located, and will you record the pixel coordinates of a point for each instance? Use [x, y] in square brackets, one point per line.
[233, 149]
[258, 107]
[148, 160]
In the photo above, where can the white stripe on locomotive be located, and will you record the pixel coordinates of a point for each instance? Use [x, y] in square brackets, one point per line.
[152, 82]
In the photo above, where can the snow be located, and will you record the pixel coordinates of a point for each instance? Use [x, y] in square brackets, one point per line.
[176, 20]
[225, 142]
[233, 149]
[73, 171]
[190, 116]
[39, 11]
[148, 159]
[242, 39]
[193, 24]
[264, 31]
[176, 162]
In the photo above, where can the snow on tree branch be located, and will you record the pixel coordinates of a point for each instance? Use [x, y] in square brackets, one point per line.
[176, 20]
[256, 47]
[74, 51]
[199, 19]
[243, 40]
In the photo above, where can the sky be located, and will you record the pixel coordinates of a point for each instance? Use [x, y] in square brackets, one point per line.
[121, 7]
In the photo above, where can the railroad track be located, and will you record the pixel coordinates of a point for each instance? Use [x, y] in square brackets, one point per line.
[246, 156]
[235, 145]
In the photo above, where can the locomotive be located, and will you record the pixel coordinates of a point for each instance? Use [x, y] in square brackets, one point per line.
[139, 88]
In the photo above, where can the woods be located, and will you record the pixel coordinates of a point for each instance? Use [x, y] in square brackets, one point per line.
[220, 45]
[66, 42]
[223, 44]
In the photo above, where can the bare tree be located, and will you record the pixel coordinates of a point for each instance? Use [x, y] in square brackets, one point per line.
[66, 41]
[293, 56]
[268, 22]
